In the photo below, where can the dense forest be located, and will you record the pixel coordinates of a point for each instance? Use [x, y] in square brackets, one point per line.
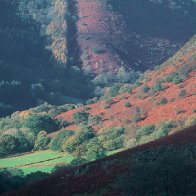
[28, 75]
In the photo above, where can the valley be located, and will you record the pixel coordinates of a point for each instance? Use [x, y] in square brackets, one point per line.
[77, 48]
[97, 97]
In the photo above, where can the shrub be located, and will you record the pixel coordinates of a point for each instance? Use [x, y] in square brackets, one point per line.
[145, 130]
[61, 122]
[114, 144]
[164, 128]
[169, 77]
[90, 101]
[182, 93]
[114, 91]
[128, 104]
[163, 101]
[96, 119]
[98, 51]
[179, 111]
[111, 134]
[80, 117]
[136, 115]
[172, 99]
[145, 89]
[177, 79]
[107, 103]
[126, 89]
[158, 87]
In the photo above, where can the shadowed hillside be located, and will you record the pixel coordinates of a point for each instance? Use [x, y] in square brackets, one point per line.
[30, 71]
[133, 34]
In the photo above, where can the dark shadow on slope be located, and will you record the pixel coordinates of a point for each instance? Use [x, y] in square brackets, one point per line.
[154, 31]
[27, 75]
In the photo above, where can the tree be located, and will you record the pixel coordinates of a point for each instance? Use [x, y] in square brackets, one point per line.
[39, 122]
[58, 140]
[8, 145]
[85, 134]
[91, 150]
[42, 141]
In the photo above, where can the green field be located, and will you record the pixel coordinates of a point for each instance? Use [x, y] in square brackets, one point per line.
[44, 161]
[114, 151]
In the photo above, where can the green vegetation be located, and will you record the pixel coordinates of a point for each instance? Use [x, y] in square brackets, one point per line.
[128, 104]
[145, 89]
[58, 141]
[158, 87]
[97, 119]
[25, 131]
[126, 89]
[81, 117]
[43, 161]
[136, 115]
[42, 141]
[163, 101]
[182, 93]
[178, 77]
[37, 123]
[9, 145]
[112, 139]
[145, 130]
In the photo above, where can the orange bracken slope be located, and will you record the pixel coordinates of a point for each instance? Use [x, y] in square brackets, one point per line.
[154, 113]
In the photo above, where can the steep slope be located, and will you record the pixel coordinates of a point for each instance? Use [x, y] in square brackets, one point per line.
[133, 34]
[113, 175]
[165, 94]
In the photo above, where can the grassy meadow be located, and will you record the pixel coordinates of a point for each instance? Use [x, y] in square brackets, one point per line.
[43, 161]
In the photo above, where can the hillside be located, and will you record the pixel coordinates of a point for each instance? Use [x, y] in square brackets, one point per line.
[34, 65]
[160, 103]
[112, 175]
[59, 50]
[165, 94]
[111, 89]
[132, 34]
